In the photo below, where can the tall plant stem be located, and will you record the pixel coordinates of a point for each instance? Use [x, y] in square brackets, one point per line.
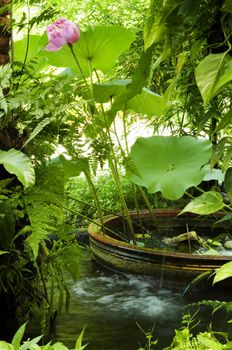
[149, 207]
[95, 222]
[122, 198]
[112, 161]
[144, 196]
[78, 65]
[87, 175]
[124, 129]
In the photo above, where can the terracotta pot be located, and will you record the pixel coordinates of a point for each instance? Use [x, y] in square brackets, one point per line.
[116, 254]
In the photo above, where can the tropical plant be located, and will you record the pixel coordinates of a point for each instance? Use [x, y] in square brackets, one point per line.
[31, 207]
[191, 54]
[17, 342]
[31, 216]
[93, 55]
[186, 339]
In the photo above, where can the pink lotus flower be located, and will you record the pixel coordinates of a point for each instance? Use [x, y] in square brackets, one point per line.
[60, 33]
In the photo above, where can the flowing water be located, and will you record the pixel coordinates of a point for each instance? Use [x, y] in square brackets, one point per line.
[112, 305]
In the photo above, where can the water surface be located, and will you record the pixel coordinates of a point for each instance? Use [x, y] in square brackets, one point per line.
[111, 305]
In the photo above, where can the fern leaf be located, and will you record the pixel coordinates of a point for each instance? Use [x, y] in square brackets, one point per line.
[38, 129]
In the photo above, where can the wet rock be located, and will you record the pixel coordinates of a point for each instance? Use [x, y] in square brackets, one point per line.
[228, 245]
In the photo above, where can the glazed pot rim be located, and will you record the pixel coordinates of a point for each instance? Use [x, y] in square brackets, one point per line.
[96, 233]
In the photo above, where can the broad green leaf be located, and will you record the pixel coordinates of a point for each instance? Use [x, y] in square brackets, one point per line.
[17, 163]
[17, 339]
[32, 49]
[207, 203]
[209, 343]
[138, 82]
[146, 102]
[168, 164]
[212, 74]
[71, 167]
[228, 183]
[59, 346]
[5, 346]
[225, 271]
[97, 48]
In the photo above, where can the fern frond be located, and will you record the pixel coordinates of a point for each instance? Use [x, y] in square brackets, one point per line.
[42, 220]
[69, 258]
[38, 129]
[131, 167]
[44, 206]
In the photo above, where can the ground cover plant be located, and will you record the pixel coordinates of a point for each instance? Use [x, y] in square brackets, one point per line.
[70, 89]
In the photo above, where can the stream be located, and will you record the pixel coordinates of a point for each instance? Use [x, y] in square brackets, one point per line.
[114, 307]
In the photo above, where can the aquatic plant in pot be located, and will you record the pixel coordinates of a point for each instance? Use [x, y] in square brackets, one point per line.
[172, 244]
[100, 103]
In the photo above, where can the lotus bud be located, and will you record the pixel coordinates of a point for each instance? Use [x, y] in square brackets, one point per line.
[60, 33]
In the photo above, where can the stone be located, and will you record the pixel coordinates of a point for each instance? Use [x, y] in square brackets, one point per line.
[228, 245]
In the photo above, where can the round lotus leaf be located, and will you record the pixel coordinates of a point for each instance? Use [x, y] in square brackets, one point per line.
[168, 164]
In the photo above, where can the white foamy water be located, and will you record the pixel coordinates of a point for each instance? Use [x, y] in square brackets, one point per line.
[127, 296]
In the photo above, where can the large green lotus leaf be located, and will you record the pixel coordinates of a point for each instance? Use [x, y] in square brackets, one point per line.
[98, 47]
[147, 102]
[17, 163]
[207, 203]
[168, 164]
[212, 74]
[35, 44]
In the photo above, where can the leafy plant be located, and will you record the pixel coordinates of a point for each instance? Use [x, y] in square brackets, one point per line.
[159, 162]
[32, 344]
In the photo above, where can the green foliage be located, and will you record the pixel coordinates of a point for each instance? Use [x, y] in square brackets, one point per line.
[213, 73]
[36, 214]
[40, 115]
[98, 48]
[180, 29]
[127, 13]
[17, 163]
[80, 198]
[33, 344]
[146, 102]
[228, 183]
[184, 338]
[223, 272]
[163, 161]
[207, 203]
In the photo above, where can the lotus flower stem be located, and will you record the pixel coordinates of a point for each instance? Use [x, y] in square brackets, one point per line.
[78, 65]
